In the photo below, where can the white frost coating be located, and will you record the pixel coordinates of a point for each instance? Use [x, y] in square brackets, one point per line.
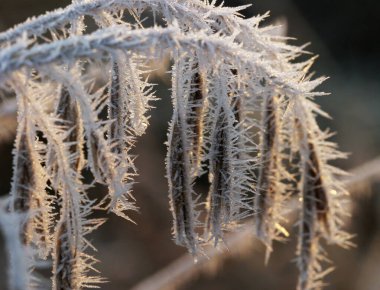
[227, 70]
[149, 41]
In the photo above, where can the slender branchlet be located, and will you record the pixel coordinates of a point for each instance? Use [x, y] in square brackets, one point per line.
[195, 106]
[321, 210]
[69, 116]
[28, 195]
[67, 111]
[115, 107]
[64, 258]
[23, 175]
[130, 99]
[96, 157]
[129, 94]
[313, 217]
[219, 202]
[134, 93]
[237, 107]
[318, 191]
[268, 158]
[308, 250]
[270, 193]
[227, 154]
[138, 93]
[180, 190]
[179, 164]
[72, 264]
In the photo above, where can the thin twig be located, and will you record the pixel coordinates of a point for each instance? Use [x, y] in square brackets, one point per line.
[159, 40]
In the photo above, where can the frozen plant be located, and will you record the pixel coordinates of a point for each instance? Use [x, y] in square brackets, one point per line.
[243, 113]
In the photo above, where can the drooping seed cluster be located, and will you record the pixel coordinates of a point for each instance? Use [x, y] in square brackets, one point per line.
[243, 114]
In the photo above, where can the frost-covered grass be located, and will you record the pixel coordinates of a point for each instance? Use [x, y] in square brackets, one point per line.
[243, 113]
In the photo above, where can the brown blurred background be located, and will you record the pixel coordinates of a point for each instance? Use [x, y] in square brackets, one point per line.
[344, 34]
